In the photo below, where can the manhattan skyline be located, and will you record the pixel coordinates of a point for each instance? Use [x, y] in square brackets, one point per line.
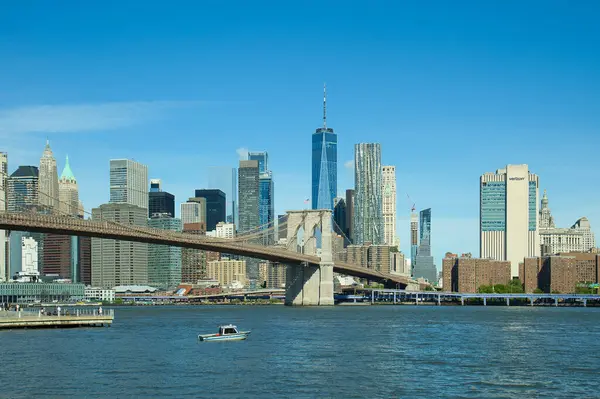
[491, 88]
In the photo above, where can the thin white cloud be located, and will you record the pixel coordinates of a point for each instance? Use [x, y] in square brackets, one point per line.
[83, 117]
[349, 164]
[242, 153]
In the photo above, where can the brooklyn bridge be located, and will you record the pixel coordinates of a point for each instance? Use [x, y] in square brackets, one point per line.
[309, 277]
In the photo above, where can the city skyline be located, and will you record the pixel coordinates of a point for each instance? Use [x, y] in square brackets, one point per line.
[507, 79]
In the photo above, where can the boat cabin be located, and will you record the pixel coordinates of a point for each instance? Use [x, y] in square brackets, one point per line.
[228, 329]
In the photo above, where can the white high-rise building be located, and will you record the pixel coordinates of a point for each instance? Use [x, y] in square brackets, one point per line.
[68, 192]
[389, 205]
[3, 208]
[48, 196]
[128, 183]
[509, 215]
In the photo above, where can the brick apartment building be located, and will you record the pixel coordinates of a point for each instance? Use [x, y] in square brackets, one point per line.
[467, 274]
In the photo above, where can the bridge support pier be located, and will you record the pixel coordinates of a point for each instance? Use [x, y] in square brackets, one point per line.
[309, 284]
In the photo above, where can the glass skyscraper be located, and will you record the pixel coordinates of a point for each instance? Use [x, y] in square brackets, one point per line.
[266, 205]
[324, 164]
[368, 212]
[249, 187]
[424, 262]
[215, 206]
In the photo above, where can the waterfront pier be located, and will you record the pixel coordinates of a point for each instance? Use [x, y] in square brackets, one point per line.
[28, 318]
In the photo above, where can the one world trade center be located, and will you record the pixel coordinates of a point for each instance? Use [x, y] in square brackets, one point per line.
[324, 163]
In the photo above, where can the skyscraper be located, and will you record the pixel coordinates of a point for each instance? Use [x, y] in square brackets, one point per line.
[216, 205]
[248, 183]
[68, 192]
[122, 262]
[324, 163]
[3, 242]
[164, 262]
[414, 238]
[48, 181]
[116, 262]
[509, 215]
[424, 266]
[389, 205]
[225, 179]
[160, 201]
[266, 205]
[128, 183]
[368, 215]
[263, 160]
[248, 195]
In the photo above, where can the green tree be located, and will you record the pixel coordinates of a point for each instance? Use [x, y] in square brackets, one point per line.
[538, 291]
[485, 289]
[515, 286]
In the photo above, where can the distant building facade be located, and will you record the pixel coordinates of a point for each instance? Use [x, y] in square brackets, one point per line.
[509, 215]
[164, 262]
[117, 262]
[227, 271]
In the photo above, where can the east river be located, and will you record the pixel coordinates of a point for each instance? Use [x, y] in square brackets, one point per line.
[337, 352]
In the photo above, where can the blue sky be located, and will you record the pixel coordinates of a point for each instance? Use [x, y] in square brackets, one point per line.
[451, 89]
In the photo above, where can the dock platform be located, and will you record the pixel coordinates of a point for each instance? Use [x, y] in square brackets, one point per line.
[35, 319]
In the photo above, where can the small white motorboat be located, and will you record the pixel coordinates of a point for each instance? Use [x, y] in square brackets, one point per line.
[228, 332]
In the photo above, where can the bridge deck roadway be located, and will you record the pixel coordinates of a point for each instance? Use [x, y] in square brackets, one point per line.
[103, 229]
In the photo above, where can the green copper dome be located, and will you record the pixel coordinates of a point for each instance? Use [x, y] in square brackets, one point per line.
[67, 173]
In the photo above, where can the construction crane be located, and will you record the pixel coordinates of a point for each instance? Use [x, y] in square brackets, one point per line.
[412, 208]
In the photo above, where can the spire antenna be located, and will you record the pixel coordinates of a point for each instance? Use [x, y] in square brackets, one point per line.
[324, 106]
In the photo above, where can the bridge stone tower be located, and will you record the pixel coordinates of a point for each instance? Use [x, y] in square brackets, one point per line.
[310, 284]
